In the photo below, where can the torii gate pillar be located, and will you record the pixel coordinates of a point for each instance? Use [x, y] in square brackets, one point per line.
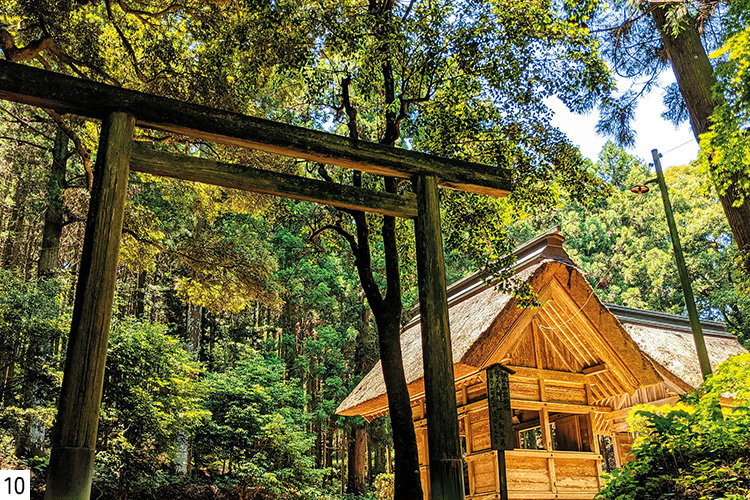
[74, 433]
[446, 465]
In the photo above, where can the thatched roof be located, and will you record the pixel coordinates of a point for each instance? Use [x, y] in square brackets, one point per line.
[482, 319]
[468, 320]
[674, 350]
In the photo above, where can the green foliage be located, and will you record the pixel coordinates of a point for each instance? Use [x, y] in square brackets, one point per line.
[33, 323]
[685, 451]
[257, 428]
[383, 486]
[206, 237]
[622, 243]
[151, 395]
[725, 149]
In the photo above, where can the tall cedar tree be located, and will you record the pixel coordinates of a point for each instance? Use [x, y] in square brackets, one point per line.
[680, 26]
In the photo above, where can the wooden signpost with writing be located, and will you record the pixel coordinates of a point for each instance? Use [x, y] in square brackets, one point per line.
[74, 433]
[502, 436]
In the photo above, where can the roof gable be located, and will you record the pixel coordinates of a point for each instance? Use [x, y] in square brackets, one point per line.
[568, 341]
[487, 323]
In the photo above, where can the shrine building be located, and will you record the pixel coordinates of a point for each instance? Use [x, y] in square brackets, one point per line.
[561, 378]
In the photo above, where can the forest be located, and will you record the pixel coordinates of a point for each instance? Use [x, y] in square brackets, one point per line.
[242, 320]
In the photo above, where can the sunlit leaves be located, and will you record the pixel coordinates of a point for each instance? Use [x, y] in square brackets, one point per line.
[258, 421]
[151, 395]
[725, 149]
[684, 450]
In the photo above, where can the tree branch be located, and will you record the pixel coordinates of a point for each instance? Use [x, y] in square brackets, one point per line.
[177, 253]
[338, 229]
[22, 141]
[26, 123]
[16, 54]
[125, 42]
[79, 147]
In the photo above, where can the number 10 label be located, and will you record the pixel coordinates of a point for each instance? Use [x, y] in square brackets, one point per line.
[15, 484]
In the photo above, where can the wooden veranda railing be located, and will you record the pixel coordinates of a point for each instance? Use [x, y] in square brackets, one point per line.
[535, 474]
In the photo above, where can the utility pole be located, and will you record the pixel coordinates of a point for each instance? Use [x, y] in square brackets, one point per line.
[687, 289]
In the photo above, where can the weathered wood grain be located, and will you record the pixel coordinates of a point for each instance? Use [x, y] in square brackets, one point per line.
[74, 432]
[446, 474]
[147, 159]
[500, 414]
[89, 99]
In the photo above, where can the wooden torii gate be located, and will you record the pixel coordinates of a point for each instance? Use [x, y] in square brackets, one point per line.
[120, 110]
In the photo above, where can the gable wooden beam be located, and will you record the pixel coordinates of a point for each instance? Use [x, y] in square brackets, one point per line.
[550, 320]
[615, 364]
[525, 404]
[554, 348]
[523, 372]
[147, 159]
[66, 94]
[593, 370]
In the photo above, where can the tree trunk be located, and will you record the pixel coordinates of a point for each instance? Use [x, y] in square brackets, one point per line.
[387, 313]
[15, 229]
[8, 366]
[193, 327]
[360, 458]
[407, 482]
[379, 461]
[387, 309]
[140, 295]
[351, 482]
[329, 446]
[49, 255]
[193, 322]
[357, 461]
[696, 79]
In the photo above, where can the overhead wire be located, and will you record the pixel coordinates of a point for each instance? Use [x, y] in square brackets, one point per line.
[617, 251]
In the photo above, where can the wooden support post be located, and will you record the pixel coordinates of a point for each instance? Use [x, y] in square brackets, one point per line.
[547, 438]
[74, 433]
[595, 447]
[446, 467]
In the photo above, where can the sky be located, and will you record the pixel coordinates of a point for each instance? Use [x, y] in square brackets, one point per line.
[677, 146]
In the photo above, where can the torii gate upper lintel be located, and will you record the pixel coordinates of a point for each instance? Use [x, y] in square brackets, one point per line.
[74, 433]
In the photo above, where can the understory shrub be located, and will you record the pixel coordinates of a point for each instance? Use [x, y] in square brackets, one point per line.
[691, 450]
[256, 437]
[151, 395]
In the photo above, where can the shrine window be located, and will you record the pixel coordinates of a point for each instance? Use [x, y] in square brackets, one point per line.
[570, 432]
[528, 429]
